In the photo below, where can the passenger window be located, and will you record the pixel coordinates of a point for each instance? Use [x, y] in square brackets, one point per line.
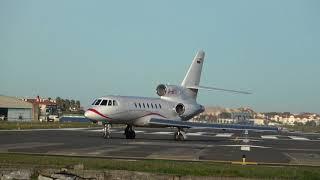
[156, 106]
[139, 105]
[143, 105]
[160, 106]
[94, 102]
[104, 102]
[115, 103]
[151, 105]
[135, 104]
[148, 105]
[109, 103]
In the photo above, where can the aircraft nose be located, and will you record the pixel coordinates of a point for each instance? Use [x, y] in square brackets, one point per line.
[89, 114]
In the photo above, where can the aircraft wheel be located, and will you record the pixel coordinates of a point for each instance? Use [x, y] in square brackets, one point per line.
[130, 134]
[106, 136]
[179, 136]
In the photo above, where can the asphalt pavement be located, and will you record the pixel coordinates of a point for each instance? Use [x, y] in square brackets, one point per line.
[158, 143]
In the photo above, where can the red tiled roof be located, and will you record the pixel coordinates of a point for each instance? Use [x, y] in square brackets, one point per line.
[43, 102]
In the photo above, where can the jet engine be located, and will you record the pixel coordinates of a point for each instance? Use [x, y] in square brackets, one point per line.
[161, 90]
[168, 90]
[180, 109]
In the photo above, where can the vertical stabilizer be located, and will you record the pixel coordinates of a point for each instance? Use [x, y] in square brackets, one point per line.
[193, 75]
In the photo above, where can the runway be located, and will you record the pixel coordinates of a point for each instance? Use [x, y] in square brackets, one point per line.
[229, 146]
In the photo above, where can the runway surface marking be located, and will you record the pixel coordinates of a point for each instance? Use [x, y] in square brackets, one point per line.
[195, 134]
[161, 133]
[239, 145]
[113, 131]
[298, 138]
[224, 135]
[172, 144]
[138, 132]
[101, 130]
[269, 137]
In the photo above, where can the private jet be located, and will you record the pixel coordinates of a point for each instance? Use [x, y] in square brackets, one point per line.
[176, 105]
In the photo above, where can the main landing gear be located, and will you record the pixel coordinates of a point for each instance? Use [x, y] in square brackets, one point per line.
[106, 131]
[129, 132]
[180, 135]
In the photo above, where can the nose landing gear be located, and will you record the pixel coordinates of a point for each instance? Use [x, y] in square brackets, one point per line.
[129, 132]
[180, 135]
[106, 131]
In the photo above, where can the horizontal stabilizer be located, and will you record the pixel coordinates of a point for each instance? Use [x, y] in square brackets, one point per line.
[218, 89]
[187, 124]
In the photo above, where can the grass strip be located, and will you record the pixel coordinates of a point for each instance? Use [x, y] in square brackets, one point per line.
[167, 167]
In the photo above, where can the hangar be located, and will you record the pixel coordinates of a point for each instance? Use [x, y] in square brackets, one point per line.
[14, 109]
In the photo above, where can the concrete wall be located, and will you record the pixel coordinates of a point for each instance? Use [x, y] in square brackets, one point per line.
[20, 114]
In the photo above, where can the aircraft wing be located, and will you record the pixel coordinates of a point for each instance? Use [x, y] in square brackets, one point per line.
[187, 124]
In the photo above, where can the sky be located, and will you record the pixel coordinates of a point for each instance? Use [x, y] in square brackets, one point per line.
[85, 49]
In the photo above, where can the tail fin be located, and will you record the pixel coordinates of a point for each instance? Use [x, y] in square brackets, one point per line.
[193, 75]
[192, 79]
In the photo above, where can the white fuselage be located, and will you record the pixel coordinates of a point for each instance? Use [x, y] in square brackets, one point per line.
[138, 111]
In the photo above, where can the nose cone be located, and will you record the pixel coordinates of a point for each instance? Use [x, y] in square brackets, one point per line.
[89, 114]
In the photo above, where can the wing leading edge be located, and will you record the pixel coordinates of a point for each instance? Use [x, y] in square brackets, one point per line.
[187, 124]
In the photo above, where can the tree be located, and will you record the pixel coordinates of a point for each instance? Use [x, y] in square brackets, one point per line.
[225, 115]
[63, 105]
[78, 105]
[311, 123]
[59, 102]
[72, 103]
[67, 105]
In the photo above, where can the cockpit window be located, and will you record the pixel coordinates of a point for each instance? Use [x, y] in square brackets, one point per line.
[98, 102]
[94, 102]
[104, 102]
[115, 103]
[109, 103]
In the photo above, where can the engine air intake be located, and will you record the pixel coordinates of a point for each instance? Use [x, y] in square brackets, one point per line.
[161, 90]
[180, 109]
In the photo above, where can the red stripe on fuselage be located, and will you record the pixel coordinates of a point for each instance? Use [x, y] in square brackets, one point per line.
[97, 112]
[152, 114]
